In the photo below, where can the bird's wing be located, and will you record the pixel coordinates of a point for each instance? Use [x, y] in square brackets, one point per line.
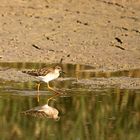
[39, 72]
[44, 71]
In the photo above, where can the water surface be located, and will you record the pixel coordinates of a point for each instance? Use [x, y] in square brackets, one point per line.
[85, 114]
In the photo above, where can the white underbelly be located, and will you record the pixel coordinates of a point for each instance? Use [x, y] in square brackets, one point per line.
[48, 77]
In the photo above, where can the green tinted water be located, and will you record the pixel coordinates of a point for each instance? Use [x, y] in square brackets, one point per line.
[97, 114]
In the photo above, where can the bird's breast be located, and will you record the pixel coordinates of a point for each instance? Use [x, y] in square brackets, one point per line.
[48, 77]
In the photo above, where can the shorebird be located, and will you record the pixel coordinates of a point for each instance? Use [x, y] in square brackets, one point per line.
[46, 75]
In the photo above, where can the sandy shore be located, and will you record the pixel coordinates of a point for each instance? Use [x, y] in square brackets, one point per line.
[101, 33]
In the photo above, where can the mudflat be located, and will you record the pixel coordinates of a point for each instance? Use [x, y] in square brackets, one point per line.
[101, 33]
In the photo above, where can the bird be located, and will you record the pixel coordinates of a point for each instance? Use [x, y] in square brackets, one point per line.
[46, 75]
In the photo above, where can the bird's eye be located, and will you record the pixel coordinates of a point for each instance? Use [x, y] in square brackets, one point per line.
[58, 68]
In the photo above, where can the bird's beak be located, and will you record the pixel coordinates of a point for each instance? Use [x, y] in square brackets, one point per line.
[63, 72]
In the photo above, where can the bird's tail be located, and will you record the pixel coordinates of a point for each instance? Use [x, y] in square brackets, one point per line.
[33, 73]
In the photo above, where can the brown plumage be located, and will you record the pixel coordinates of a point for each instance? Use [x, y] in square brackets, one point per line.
[41, 72]
[44, 71]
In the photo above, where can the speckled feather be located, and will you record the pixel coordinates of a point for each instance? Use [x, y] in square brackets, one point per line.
[39, 72]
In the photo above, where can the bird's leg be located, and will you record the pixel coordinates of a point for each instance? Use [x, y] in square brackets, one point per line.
[51, 88]
[38, 85]
[56, 94]
[55, 91]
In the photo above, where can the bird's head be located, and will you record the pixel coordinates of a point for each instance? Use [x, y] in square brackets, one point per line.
[59, 69]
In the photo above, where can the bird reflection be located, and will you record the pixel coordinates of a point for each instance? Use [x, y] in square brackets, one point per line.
[44, 110]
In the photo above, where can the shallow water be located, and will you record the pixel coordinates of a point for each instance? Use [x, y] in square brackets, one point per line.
[85, 114]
